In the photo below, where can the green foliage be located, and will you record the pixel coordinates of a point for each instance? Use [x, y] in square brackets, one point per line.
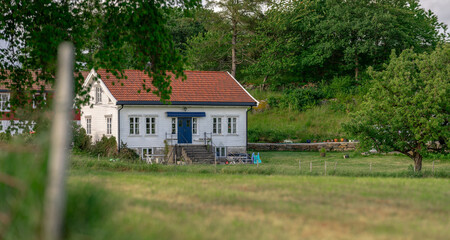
[407, 106]
[297, 99]
[317, 123]
[115, 35]
[105, 147]
[23, 178]
[209, 51]
[128, 154]
[318, 39]
[267, 135]
[81, 141]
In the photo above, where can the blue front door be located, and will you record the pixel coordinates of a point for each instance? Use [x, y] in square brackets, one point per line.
[184, 130]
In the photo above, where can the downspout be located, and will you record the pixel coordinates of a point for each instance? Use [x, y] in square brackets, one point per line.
[118, 127]
[246, 128]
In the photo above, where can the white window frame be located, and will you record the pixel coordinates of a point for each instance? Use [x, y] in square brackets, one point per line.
[174, 125]
[88, 125]
[133, 125]
[231, 125]
[217, 125]
[151, 125]
[98, 95]
[108, 125]
[146, 149]
[4, 102]
[194, 126]
[220, 152]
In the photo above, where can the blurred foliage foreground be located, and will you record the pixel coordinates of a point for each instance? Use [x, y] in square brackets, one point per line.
[23, 178]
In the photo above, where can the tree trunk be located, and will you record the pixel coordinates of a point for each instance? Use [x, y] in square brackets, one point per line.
[263, 85]
[233, 50]
[417, 161]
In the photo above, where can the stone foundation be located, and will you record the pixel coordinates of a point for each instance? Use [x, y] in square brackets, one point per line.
[329, 146]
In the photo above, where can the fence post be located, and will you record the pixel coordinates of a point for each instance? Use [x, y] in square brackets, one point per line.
[55, 198]
[325, 168]
[310, 166]
[299, 165]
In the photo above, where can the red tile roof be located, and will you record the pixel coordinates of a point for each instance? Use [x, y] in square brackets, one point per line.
[198, 87]
[36, 86]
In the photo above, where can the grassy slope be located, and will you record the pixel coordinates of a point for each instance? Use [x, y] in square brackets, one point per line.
[216, 206]
[316, 123]
[319, 122]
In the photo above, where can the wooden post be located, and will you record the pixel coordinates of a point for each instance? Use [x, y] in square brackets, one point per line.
[215, 164]
[325, 168]
[310, 166]
[299, 165]
[55, 198]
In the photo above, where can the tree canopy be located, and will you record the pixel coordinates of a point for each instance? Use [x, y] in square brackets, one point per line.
[407, 107]
[112, 34]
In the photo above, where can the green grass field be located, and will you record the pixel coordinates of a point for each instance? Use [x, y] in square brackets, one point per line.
[273, 201]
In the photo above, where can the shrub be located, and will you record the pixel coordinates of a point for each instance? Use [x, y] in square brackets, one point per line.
[128, 154]
[301, 98]
[105, 147]
[340, 85]
[81, 141]
[5, 136]
[267, 135]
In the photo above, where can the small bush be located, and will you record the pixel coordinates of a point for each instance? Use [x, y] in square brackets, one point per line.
[81, 141]
[105, 147]
[128, 154]
[267, 135]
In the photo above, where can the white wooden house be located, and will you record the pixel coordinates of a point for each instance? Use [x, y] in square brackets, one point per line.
[208, 107]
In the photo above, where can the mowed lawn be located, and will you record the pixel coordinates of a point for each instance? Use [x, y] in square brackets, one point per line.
[192, 203]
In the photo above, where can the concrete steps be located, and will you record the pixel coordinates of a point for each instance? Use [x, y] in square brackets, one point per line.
[199, 153]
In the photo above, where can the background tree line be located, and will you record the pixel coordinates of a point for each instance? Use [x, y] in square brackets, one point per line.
[296, 42]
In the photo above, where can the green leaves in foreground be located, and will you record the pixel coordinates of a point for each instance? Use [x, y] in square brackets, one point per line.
[407, 109]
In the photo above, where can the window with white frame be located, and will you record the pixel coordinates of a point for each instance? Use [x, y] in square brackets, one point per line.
[39, 99]
[220, 152]
[217, 125]
[146, 153]
[194, 125]
[4, 102]
[231, 125]
[88, 125]
[150, 125]
[134, 125]
[98, 95]
[174, 125]
[109, 125]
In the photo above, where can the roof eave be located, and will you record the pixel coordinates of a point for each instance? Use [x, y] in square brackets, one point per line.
[187, 103]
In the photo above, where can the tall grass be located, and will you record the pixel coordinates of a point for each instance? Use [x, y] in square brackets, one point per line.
[316, 123]
[284, 163]
[23, 179]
